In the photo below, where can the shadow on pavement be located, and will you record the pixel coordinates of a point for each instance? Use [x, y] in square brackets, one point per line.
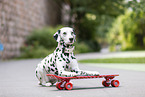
[84, 88]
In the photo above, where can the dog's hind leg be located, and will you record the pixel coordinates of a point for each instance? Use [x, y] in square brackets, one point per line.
[52, 81]
[41, 76]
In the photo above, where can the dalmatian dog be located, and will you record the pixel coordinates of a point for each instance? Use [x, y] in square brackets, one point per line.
[62, 61]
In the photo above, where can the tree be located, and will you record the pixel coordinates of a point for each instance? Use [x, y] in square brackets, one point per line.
[93, 17]
[128, 30]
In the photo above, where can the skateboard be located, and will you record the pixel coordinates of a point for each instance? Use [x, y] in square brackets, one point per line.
[64, 82]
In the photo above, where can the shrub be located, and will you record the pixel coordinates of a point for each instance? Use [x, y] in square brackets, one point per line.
[127, 31]
[34, 52]
[81, 47]
[44, 37]
[39, 43]
[94, 45]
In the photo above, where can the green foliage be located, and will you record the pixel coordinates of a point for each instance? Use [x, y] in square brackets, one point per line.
[87, 29]
[129, 31]
[39, 43]
[93, 18]
[82, 47]
[43, 37]
[34, 51]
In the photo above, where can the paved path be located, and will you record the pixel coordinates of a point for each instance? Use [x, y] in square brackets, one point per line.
[17, 79]
[111, 55]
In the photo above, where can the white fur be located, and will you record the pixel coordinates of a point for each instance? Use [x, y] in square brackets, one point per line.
[62, 61]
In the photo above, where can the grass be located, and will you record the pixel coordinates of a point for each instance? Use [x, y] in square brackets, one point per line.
[115, 60]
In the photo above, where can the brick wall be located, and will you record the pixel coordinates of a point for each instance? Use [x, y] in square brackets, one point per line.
[18, 18]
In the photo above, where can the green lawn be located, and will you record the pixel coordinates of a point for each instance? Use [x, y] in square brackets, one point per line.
[115, 60]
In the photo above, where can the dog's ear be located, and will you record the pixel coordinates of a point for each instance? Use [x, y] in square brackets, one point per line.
[57, 36]
[74, 31]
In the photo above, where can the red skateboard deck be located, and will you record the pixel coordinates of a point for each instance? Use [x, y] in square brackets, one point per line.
[65, 84]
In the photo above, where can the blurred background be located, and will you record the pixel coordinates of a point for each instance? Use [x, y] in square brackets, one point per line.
[27, 26]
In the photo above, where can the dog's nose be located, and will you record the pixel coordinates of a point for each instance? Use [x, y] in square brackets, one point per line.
[71, 39]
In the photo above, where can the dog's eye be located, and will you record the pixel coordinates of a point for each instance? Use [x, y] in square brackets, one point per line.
[72, 33]
[64, 33]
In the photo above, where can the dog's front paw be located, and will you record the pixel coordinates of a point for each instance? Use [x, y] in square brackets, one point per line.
[72, 74]
[95, 73]
[68, 74]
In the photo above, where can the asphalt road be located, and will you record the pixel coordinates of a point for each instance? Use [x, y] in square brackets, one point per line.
[17, 79]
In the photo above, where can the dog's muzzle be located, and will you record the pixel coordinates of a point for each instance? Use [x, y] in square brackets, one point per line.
[71, 40]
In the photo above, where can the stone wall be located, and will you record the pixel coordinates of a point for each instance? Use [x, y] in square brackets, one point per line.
[18, 18]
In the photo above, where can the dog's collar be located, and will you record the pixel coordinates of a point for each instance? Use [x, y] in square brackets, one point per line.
[66, 48]
[69, 50]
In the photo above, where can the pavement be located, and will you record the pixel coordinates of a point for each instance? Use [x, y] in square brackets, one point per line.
[17, 79]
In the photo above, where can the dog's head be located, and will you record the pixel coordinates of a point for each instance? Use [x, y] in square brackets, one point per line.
[65, 35]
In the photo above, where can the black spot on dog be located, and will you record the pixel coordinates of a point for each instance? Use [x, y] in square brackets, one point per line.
[57, 49]
[55, 36]
[52, 65]
[66, 54]
[52, 69]
[68, 61]
[56, 72]
[58, 31]
[51, 59]
[67, 66]
[63, 59]
[61, 56]
[48, 69]
[43, 66]
[73, 57]
[72, 70]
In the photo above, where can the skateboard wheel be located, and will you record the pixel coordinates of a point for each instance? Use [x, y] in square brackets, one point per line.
[68, 86]
[105, 84]
[58, 86]
[115, 83]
